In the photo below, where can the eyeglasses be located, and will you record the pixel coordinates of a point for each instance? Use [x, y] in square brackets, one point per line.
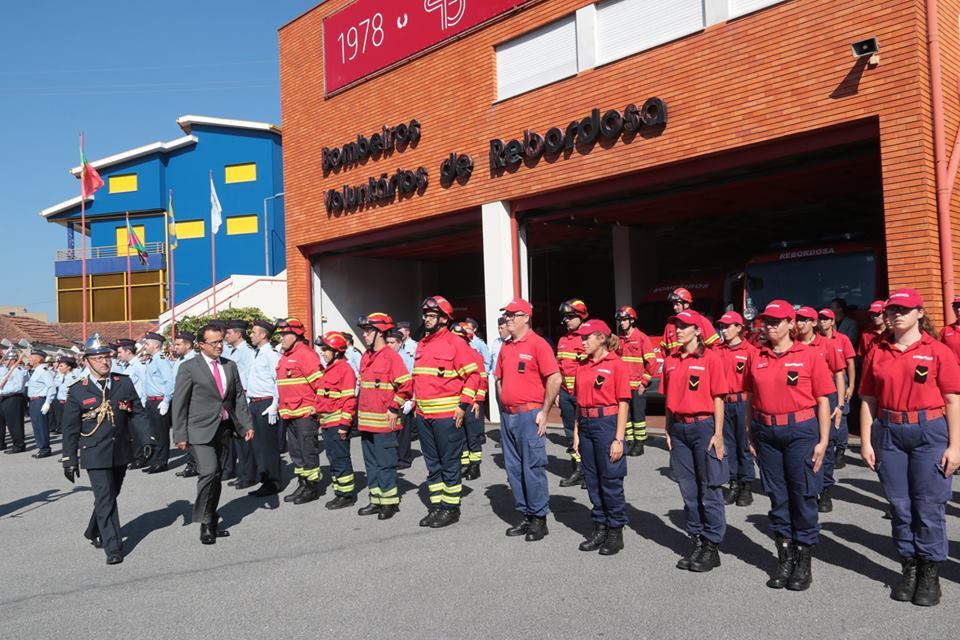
[772, 322]
[894, 310]
[214, 343]
[514, 314]
[431, 314]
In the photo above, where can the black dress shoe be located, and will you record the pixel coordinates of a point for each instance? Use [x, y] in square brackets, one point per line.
[159, 468]
[137, 464]
[43, 453]
[221, 533]
[244, 484]
[207, 535]
[266, 489]
[369, 510]
[95, 541]
[188, 473]
[115, 558]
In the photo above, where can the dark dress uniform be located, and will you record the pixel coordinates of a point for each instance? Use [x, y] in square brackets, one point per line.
[97, 436]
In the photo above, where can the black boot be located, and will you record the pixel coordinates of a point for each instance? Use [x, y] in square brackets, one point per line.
[387, 511]
[432, 515]
[301, 484]
[730, 492]
[593, 542]
[473, 471]
[464, 468]
[631, 445]
[707, 559]
[825, 503]
[745, 495]
[802, 574]
[696, 543]
[445, 518]
[612, 542]
[638, 449]
[907, 586]
[538, 529]
[369, 510]
[574, 478]
[311, 492]
[520, 529]
[341, 502]
[787, 560]
[839, 460]
[928, 585]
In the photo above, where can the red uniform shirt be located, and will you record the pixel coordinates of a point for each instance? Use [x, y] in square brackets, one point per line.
[337, 395]
[636, 350]
[691, 382]
[843, 346]
[950, 336]
[569, 357]
[522, 367]
[669, 343]
[445, 375]
[297, 375]
[788, 382]
[828, 351]
[603, 383]
[735, 360]
[867, 339]
[910, 380]
[384, 385]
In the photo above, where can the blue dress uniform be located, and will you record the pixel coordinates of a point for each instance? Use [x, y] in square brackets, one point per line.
[241, 462]
[158, 387]
[41, 391]
[263, 398]
[909, 437]
[12, 402]
[143, 440]
[97, 425]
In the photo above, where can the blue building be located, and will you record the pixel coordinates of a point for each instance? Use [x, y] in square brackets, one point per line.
[246, 161]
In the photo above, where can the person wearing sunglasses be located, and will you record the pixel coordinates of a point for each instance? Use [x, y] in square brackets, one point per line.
[910, 432]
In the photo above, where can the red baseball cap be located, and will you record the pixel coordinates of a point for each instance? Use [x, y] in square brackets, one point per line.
[956, 299]
[779, 310]
[877, 306]
[828, 313]
[592, 326]
[808, 313]
[518, 305]
[687, 316]
[730, 317]
[907, 298]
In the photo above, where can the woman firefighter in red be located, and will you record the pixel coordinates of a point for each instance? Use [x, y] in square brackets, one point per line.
[336, 405]
[735, 353]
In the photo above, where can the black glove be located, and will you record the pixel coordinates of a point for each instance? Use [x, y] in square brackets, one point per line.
[71, 473]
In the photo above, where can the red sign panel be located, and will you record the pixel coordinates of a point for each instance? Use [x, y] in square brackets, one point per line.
[370, 35]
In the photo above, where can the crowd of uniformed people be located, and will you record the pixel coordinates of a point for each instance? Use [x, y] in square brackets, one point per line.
[775, 392]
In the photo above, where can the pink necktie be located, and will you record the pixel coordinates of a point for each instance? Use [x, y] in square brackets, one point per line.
[219, 380]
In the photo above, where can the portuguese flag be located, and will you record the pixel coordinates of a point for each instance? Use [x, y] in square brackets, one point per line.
[90, 180]
[135, 244]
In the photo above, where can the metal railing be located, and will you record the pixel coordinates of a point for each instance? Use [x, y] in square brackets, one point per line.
[108, 252]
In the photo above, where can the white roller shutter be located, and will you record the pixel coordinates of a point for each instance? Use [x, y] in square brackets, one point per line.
[742, 7]
[537, 58]
[625, 27]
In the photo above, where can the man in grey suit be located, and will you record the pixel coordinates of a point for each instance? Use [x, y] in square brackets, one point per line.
[209, 407]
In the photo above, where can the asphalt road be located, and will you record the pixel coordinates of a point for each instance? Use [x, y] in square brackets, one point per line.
[298, 572]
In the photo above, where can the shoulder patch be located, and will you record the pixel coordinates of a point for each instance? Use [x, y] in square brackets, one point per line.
[85, 378]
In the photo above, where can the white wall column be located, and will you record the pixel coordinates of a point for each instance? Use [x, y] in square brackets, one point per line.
[497, 272]
[622, 266]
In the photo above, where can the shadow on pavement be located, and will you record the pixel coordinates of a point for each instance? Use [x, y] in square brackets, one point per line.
[501, 502]
[143, 525]
[572, 514]
[653, 528]
[37, 500]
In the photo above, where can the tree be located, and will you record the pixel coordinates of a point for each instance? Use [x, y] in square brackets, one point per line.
[192, 324]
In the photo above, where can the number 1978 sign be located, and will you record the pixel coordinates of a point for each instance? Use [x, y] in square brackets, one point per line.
[370, 35]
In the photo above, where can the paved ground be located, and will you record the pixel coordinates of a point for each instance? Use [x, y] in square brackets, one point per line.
[299, 572]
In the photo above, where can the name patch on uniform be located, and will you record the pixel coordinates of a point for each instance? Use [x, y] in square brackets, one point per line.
[920, 373]
[793, 364]
[526, 356]
[89, 401]
[793, 377]
[928, 358]
[697, 368]
[694, 383]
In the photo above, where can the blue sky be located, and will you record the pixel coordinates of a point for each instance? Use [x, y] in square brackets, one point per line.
[121, 72]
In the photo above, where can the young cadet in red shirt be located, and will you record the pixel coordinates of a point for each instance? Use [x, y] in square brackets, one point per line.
[735, 352]
[385, 385]
[875, 332]
[680, 300]
[602, 389]
[788, 414]
[298, 371]
[528, 381]
[445, 384]
[336, 406]
[950, 335]
[473, 420]
[694, 388]
[806, 334]
[910, 393]
[827, 323]
[569, 356]
[636, 350]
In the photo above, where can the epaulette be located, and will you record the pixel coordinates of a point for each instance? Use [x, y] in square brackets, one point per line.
[76, 381]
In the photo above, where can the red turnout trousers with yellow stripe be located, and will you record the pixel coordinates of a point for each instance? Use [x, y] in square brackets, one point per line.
[336, 406]
[636, 350]
[298, 373]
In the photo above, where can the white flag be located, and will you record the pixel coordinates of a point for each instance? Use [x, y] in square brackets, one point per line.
[216, 211]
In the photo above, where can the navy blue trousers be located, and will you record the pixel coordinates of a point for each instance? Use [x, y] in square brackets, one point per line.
[700, 475]
[380, 460]
[473, 432]
[525, 459]
[41, 431]
[785, 455]
[341, 466]
[907, 460]
[830, 458]
[441, 443]
[568, 414]
[604, 478]
[735, 443]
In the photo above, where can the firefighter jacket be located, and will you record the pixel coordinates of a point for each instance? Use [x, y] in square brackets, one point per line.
[298, 373]
[337, 395]
[569, 356]
[636, 350]
[445, 375]
[385, 385]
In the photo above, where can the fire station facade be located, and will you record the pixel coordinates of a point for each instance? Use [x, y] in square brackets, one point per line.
[611, 150]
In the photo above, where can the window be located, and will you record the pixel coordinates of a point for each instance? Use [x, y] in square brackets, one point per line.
[743, 7]
[240, 172]
[625, 27]
[537, 58]
[122, 248]
[123, 184]
[188, 229]
[239, 225]
[107, 296]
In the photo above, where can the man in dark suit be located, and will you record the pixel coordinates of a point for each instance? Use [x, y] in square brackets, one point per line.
[209, 407]
[98, 418]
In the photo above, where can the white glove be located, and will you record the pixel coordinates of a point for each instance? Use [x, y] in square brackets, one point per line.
[163, 407]
[271, 413]
[407, 407]
[45, 407]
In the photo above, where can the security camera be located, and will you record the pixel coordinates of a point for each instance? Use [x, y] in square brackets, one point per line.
[869, 48]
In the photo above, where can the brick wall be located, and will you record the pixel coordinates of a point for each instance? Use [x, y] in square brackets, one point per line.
[764, 76]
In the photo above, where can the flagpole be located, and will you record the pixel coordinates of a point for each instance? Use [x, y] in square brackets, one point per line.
[166, 240]
[171, 276]
[129, 288]
[83, 247]
[213, 256]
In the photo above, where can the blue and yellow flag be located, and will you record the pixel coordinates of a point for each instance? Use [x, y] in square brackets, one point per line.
[172, 223]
